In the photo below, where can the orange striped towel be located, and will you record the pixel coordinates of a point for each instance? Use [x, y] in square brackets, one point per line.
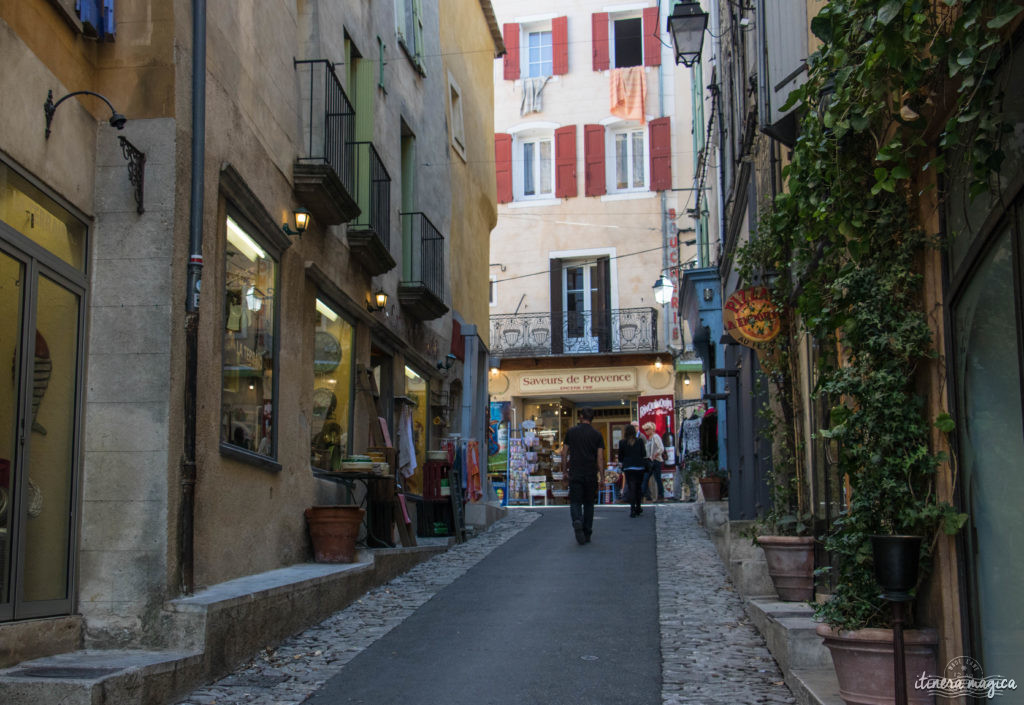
[629, 93]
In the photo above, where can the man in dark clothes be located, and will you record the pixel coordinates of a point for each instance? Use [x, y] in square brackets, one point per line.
[583, 458]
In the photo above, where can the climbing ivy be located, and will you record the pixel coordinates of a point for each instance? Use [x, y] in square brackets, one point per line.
[895, 88]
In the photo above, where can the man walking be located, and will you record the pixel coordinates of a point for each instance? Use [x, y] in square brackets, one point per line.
[583, 458]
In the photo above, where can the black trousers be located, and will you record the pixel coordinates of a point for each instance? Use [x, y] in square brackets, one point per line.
[634, 488]
[582, 496]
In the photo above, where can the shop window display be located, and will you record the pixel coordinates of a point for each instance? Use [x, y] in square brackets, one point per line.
[332, 388]
[250, 320]
[416, 388]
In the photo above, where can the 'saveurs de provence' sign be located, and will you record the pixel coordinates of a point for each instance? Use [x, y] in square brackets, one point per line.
[751, 317]
[591, 380]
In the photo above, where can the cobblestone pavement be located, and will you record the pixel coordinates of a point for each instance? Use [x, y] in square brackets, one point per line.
[288, 674]
[711, 654]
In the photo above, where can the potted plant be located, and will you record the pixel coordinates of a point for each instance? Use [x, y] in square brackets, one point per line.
[333, 529]
[712, 479]
[846, 245]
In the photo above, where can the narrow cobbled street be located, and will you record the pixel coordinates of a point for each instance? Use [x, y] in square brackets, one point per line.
[522, 614]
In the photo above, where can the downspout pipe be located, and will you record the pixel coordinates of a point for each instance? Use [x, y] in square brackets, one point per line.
[186, 524]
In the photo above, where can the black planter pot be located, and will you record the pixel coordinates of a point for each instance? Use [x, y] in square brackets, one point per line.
[896, 560]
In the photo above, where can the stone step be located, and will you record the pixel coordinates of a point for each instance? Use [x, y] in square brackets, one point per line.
[101, 677]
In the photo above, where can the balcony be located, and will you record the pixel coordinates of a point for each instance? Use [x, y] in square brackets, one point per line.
[369, 237]
[422, 287]
[622, 330]
[325, 176]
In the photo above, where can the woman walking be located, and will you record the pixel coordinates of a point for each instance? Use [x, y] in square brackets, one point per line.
[632, 455]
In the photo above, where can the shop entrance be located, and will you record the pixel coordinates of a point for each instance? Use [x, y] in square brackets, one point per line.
[42, 289]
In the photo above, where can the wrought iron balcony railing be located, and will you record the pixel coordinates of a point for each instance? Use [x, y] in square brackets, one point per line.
[373, 193]
[325, 172]
[423, 282]
[572, 333]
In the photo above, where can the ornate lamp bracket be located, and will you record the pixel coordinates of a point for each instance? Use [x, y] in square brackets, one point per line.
[136, 170]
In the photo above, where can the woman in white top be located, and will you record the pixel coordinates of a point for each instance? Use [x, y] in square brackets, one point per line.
[656, 454]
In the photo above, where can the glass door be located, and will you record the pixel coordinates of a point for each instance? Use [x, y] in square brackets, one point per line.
[40, 318]
[579, 293]
[12, 278]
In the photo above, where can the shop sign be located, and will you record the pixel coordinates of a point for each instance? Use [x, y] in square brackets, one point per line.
[657, 409]
[751, 317]
[614, 379]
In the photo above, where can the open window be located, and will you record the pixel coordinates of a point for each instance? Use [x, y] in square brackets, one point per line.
[626, 38]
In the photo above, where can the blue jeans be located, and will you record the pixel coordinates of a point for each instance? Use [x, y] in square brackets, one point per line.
[656, 471]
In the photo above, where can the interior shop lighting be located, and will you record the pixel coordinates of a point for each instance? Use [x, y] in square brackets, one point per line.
[325, 310]
[245, 244]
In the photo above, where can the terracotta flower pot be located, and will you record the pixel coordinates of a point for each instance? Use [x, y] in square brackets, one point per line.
[863, 661]
[711, 487]
[334, 530]
[790, 565]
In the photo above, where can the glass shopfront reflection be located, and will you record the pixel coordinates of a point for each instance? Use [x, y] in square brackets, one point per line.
[42, 289]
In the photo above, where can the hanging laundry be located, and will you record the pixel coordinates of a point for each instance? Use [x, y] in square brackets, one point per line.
[406, 446]
[628, 88]
[532, 89]
[473, 467]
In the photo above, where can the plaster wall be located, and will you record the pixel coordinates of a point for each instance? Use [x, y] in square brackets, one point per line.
[249, 518]
[629, 224]
[464, 33]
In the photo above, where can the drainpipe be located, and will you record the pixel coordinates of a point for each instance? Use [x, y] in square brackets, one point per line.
[195, 267]
[663, 196]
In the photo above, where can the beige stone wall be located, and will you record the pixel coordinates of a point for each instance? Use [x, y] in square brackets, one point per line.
[465, 37]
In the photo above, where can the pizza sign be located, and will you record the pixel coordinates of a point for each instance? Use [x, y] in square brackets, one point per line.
[751, 317]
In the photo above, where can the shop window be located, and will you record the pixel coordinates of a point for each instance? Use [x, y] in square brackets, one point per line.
[417, 388]
[248, 397]
[38, 217]
[331, 425]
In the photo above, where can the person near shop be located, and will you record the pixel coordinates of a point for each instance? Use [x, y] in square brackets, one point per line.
[656, 456]
[583, 459]
[633, 456]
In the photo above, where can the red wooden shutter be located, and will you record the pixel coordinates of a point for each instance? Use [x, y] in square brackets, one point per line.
[599, 40]
[652, 45]
[661, 153]
[593, 159]
[503, 166]
[560, 45]
[565, 162]
[511, 37]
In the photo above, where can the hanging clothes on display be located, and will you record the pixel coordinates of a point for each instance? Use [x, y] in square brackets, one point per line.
[709, 435]
[406, 446]
[689, 437]
[474, 491]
